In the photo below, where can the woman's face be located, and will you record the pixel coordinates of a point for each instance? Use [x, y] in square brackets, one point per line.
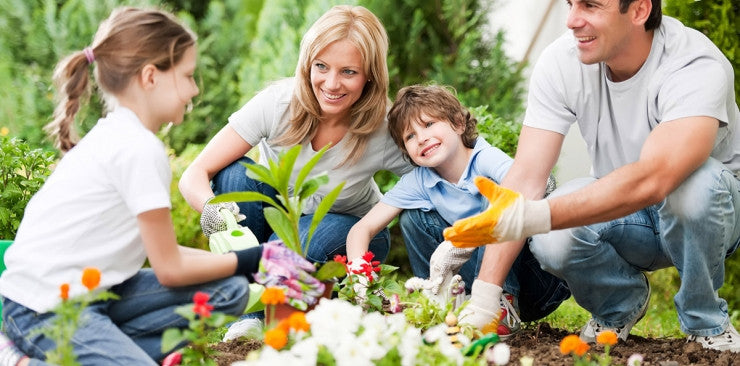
[338, 78]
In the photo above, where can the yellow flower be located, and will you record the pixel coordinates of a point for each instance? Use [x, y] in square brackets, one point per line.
[607, 337]
[273, 296]
[276, 338]
[91, 277]
[4, 131]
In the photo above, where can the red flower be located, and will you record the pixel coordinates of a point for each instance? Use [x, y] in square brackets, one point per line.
[200, 304]
[340, 258]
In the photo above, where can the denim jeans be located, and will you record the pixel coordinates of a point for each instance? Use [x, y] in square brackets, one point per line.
[694, 229]
[330, 236]
[537, 292]
[127, 331]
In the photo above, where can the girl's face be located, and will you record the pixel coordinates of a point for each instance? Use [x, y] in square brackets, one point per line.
[177, 89]
[432, 142]
[338, 78]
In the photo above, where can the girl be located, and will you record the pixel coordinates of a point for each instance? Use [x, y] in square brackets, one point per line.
[339, 97]
[107, 204]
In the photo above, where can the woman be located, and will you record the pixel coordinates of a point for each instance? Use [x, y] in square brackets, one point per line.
[338, 96]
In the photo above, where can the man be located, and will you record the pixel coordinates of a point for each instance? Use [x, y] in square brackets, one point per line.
[655, 103]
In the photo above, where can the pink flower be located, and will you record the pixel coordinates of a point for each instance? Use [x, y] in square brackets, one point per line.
[395, 304]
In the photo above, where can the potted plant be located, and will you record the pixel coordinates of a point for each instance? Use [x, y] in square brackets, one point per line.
[284, 214]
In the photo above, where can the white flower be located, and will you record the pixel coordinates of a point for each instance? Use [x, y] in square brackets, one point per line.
[499, 354]
[634, 360]
[334, 319]
[306, 351]
[435, 333]
[409, 347]
[351, 353]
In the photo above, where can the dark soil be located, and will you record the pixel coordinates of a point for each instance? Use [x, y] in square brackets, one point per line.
[541, 342]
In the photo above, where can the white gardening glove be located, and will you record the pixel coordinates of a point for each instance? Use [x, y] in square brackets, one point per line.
[484, 306]
[446, 261]
[508, 217]
[211, 220]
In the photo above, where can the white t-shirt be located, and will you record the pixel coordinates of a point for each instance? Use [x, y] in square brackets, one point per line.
[267, 115]
[685, 75]
[85, 213]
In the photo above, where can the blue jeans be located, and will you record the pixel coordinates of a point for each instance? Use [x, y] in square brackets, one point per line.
[127, 331]
[330, 236]
[538, 293]
[694, 229]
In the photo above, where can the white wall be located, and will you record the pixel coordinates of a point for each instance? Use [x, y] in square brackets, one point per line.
[520, 20]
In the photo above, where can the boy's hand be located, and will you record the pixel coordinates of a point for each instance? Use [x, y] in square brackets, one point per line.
[446, 262]
[508, 217]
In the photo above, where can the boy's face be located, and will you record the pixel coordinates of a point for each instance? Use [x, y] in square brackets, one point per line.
[433, 142]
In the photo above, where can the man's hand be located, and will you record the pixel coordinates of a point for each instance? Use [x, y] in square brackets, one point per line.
[508, 217]
[211, 220]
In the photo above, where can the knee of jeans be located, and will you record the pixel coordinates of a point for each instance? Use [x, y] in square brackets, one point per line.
[699, 194]
[551, 250]
[231, 295]
[232, 178]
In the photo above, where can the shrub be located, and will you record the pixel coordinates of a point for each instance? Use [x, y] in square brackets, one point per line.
[22, 173]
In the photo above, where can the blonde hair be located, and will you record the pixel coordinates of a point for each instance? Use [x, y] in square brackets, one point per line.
[364, 30]
[128, 40]
[435, 101]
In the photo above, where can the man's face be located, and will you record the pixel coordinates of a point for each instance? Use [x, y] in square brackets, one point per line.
[602, 33]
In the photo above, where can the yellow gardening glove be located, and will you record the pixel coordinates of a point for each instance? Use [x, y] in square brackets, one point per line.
[508, 217]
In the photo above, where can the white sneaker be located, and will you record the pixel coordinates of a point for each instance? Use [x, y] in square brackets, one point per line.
[10, 355]
[509, 323]
[249, 327]
[729, 340]
[593, 328]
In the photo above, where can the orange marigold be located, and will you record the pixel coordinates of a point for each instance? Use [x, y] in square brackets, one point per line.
[273, 296]
[572, 343]
[276, 338]
[91, 277]
[607, 337]
[64, 291]
[297, 321]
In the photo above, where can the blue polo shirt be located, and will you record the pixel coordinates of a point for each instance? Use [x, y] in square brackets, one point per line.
[424, 189]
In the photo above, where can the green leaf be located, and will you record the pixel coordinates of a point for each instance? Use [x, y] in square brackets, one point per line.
[283, 228]
[330, 270]
[284, 170]
[244, 197]
[310, 186]
[171, 338]
[303, 173]
[260, 173]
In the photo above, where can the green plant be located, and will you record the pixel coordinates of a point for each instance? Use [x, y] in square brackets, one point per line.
[283, 216]
[22, 173]
[201, 322]
[68, 317]
[379, 284]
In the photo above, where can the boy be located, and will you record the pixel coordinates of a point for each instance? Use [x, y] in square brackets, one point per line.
[439, 136]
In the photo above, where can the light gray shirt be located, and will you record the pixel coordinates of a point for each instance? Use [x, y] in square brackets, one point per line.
[685, 75]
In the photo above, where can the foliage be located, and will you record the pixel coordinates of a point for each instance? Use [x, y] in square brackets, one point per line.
[201, 321]
[373, 288]
[498, 131]
[184, 218]
[67, 317]
[22, 173]
[720, 21]
[446, 41]
[283, 217]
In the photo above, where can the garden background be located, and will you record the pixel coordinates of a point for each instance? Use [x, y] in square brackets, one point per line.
[244, 44]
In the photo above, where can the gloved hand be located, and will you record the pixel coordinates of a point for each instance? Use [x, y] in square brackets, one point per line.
[483, 307]
[284, 268]
[446, 261]
[211, 220]
[508, 217]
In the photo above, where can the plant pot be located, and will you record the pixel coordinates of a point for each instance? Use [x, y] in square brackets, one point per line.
[283, 311]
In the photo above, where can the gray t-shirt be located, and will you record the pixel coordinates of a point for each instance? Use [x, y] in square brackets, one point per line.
[685, 75]
[267, 114]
